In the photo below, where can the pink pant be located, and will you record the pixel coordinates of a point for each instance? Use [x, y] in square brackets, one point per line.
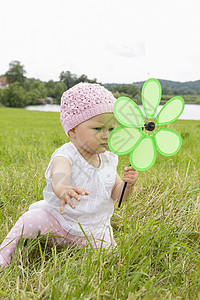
[40, 221]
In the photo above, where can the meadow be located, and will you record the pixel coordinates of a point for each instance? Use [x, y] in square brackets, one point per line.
[157, 230]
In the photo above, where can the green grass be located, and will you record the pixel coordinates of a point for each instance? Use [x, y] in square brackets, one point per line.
[157, 230]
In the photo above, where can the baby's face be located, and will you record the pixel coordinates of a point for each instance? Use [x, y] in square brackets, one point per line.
[92, 135]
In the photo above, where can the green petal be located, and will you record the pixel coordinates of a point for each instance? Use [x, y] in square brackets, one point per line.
[151, 95]
[123, 139]
[144, 155]
[170, 111]
[168, 141]
[128, 113]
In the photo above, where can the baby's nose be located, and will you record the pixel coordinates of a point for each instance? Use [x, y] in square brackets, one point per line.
[105, 134]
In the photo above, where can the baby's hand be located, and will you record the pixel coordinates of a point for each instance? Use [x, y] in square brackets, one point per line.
[71, 192]
[130, 175]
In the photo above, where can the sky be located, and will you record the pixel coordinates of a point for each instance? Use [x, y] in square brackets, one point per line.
[121, 41]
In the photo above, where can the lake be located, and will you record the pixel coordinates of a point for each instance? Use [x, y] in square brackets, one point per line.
[191, 111]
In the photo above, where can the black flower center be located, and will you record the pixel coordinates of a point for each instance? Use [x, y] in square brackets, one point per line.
[149, 126]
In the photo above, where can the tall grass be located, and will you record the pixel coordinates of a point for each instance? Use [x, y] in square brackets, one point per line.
[157, 230]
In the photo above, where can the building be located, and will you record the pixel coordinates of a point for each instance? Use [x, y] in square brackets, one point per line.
[3, 83]
[41, 101]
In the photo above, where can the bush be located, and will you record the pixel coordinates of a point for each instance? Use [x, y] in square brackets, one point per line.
[14, 96]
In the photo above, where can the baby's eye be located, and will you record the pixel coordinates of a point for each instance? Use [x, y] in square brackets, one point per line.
[98, 128]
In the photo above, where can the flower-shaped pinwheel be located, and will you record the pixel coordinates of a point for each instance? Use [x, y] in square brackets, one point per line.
[143, 137]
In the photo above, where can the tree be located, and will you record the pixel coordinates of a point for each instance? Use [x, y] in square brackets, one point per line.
[166, 90]
[59, 89]
[32, 97]
[68, 78]
[14, 96]
[40, 86]
[71, 79]
[50, 85]
[15, 73]
[129, 89]
[1, 93]
[84, 78]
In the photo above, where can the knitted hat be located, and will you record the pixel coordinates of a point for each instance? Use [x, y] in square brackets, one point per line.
[82, 102]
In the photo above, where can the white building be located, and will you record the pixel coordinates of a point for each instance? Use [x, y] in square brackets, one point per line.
[3, 83]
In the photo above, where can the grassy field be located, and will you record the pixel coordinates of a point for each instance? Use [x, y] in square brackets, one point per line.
[157, 230]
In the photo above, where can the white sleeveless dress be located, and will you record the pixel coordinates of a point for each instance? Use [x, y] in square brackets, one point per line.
[94, 211]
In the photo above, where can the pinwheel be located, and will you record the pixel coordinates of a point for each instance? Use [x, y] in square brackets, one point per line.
[143, 136]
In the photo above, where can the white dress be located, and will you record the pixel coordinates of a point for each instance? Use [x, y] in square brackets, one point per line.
[94, 211]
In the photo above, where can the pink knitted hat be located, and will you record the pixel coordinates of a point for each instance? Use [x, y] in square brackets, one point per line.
[82, 102]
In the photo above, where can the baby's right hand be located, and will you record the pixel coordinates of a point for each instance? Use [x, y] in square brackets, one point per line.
[71, 192]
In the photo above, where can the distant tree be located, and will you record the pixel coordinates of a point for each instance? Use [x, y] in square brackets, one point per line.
[15, 73]
[35, 89]
[175, 92]
[182, 91]
[84, 78]
[59, 89]
[136, 98]
[1, 92]
[33, 85]
[133, 90]
[118, 94]
[166, 90]
[71, 79]
[32, 97]
[190, 92]
[92, 80]
[14, 96]
[55, 90]
[28, 84]
[50, 85]
[129, 89]
[68, 78]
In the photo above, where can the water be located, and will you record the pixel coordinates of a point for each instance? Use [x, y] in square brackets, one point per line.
[46, 107]
[191, 111]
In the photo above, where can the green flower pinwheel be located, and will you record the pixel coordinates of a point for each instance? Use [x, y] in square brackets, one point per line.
[143, 136]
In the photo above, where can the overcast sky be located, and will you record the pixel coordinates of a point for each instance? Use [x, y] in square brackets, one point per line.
[112, 40]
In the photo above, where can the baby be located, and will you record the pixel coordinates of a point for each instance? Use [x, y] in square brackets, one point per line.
[82, 179]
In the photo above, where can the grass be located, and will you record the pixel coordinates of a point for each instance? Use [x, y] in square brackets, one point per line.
[157, 230]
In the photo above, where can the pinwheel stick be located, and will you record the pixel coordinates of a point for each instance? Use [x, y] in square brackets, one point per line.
[124, 187]
[122, 194]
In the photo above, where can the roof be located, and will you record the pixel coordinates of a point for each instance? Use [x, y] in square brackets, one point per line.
[3, 81]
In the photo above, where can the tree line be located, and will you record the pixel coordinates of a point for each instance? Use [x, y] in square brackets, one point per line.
[23, 91]
[177, 88]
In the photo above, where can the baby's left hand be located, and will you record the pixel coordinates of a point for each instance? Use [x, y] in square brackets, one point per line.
[130, 175]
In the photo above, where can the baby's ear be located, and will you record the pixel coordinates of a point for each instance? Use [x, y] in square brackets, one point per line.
[72, 133]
